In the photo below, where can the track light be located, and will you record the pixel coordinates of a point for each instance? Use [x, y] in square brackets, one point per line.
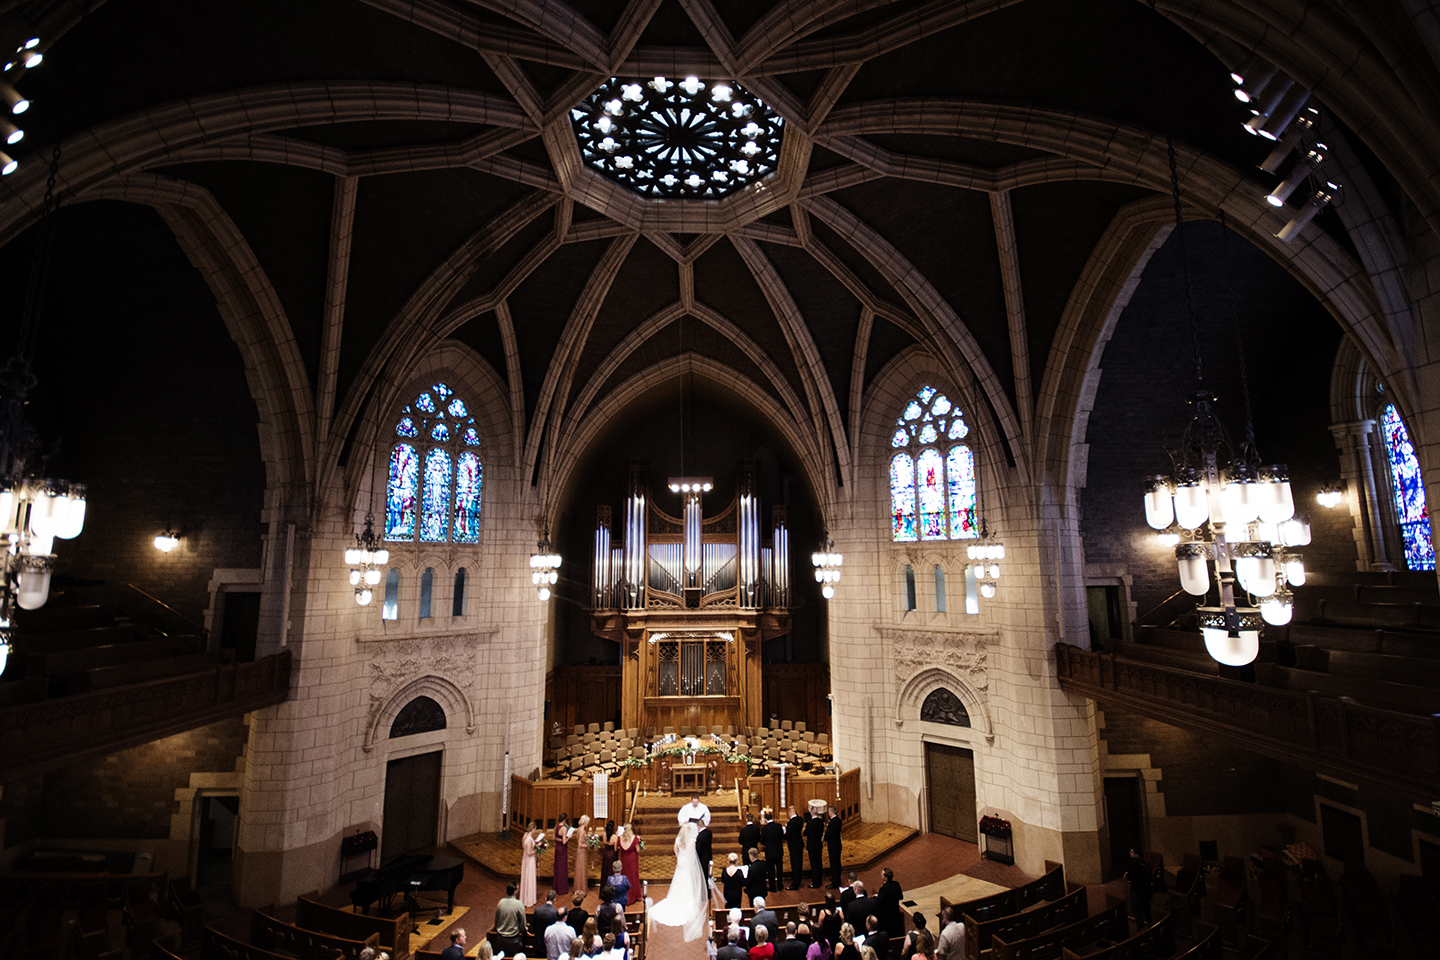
[1266, 100]
[8, 164]
[1303, 124]
[1255, 79]
[1312, 160]
[12, 99]
[13, 134]
[1252, 67]
[1285, 111]
[1322, 198]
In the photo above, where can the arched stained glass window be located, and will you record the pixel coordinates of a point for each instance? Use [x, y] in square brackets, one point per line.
[1409, 487]
[933, 472]
[434, 491]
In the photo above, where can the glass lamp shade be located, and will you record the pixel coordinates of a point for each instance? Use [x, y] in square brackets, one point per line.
[1159, 504]
[987, 590]
[1277, 502]
[33, 581]
[49, 508]
[1193, 561]
[1277, 609]
[994, 571]
[972, 552]
[372, 577]
[1254, 567]
[1328, 498]
[4, 652]
[1237, 650]
[1192, 506]
[1295, 570]
[355, 578]
[75, 517]
[1169, 539]
[352, 557]
[544, 594]
[380, 557]
[8, 504]
[1241, 501]
[40, 545]
[827, 591]
[363, 597]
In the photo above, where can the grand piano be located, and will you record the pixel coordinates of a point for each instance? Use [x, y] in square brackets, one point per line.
[408, 875]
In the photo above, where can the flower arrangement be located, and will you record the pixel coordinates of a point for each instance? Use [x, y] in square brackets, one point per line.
[361, 842]
[594, 841]
[632, 762]
[542, 844]
[994, 825]
[642, 846]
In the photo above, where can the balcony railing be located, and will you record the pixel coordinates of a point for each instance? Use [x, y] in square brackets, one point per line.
[1326, 734]
[52, 733]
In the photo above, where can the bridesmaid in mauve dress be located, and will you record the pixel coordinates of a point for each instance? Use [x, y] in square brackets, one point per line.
[611, 851]
[527, 863]
[630, 862]
[561, 880]
[582, 854]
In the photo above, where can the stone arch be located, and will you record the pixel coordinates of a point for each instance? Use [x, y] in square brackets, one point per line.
[444, 692]
[914, 691]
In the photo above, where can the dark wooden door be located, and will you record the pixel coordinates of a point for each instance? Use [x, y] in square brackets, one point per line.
[950, 781]
[412, 805]
[1123, 814]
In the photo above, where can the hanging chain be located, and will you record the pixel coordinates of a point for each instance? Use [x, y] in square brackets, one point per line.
[1248, 454]
[1185, 262]
[35, 295]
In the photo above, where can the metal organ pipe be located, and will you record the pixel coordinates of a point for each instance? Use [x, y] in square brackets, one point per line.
[692, 540]
[635, 571]
[780, 554]
[602, 578]
[749, 536]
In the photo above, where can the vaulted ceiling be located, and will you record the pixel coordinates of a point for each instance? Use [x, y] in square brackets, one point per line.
[383, 176]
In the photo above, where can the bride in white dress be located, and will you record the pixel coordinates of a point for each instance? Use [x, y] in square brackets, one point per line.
[688, 901]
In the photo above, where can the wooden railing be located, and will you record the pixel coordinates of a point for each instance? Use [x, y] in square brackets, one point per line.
[801, 790]
[543, 801]
[1328, 735]
[51, 733]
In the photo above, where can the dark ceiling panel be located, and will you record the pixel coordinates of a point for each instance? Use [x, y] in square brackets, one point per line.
[647, 282]
[541, 307]
[1056, 228]
[532, 150]
[858, 263]
[886, 340]
[490, 271]
[602, 14]
[1102, 58]
[949, 236]
[289, 231]
[983, 153]
[823, 158]
[740, 15]
[545, 77]
[865, 20]
[482, 334]
[214, 47]
[672, 27]
[804, 84]
[723, 282]
[406, 225]
[831, 313]
[379, 134]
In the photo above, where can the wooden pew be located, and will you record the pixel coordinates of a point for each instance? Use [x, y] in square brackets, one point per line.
[394, 932]
[1207, 944]
[1111, 924]
[1152, 943]
[269, 933]
[783, 913]
[1050, 886]
[1069, 909]
[215, 945]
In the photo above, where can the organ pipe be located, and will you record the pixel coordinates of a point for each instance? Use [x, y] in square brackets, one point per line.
[635, 508]
[780, 555]
[749, 535]
[692, 540]
[601, 578]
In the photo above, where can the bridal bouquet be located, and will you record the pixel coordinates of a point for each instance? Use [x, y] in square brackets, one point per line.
[542, 844]
[642, 846]
[594, 841]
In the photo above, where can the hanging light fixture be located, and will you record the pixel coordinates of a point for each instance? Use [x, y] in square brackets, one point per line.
[827, 565]
[1329, 496]
[35, 510]
[545, 567]
[985, 556]
[365, 560]
[167, 541]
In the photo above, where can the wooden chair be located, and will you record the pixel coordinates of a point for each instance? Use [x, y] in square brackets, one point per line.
[577, 767]
[668, 731]
[637, 753]
[808, 736]
[730, 731]
[608, 726]
[685, 732]
[633, 733]
[823, 739]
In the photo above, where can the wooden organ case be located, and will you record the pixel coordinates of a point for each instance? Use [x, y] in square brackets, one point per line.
[690, 600]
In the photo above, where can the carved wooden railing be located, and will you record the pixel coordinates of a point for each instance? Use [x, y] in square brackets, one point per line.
[51, 733]
[1329, 735]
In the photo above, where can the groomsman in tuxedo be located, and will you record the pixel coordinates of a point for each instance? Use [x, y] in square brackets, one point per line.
[815, 844]
[774, 836]
[795, 840]
[832, 843]
[749, 835]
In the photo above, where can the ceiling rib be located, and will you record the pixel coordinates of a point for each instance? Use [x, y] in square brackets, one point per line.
[1004, 221]
[337, 278]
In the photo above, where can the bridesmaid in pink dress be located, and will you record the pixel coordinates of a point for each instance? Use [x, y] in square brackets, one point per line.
[582, 854]
[561, 880]
[630, 862]
[527, 863]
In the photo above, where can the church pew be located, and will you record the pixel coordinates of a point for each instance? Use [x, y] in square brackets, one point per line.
[1111, 924]
[1207, 946]
[1069, 909]
[1152, 943]
[268, 933]
[394, 932]
[1050, 886]
[1375, 693]
[215, 945]
[1417, 671]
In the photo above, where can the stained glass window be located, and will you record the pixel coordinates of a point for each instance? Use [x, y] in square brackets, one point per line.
[435, 508]
[902, 496]
[1410, 506]
[434, 491]
[941, 479]
[400, 495]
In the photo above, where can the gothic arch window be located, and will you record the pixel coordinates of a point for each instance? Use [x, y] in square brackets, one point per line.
[942, 706]
[932, 474]
[1409, 490]
[420, 715]
[433, 493]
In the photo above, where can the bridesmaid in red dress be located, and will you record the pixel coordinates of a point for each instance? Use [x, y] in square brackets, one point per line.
[561, 880]
[630, 862]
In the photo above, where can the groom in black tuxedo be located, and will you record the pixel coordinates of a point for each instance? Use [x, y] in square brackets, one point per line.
[702, 848]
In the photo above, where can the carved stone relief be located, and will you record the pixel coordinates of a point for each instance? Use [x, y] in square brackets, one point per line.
[961, 655]
[396, 663]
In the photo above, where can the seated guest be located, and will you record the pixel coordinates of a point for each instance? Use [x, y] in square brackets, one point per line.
[510, 928]
[545, 914]
[456, 950]
[578, 914]
[732, 949]
[621, 883]
[763, 949]
[875, 937]
[765, 917]
[792, 947]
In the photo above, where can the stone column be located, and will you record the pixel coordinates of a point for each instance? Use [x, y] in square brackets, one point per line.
[1357, 469]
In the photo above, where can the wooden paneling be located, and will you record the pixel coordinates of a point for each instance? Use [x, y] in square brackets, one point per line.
[798, 691]
[583, 695]
[801, 790]
[545, 800]
[693, 712]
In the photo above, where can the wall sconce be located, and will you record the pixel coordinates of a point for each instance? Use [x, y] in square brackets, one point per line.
[167, 541]
[1329, 496]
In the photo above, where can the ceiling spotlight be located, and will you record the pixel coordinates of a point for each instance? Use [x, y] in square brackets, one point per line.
[1312, 159]
[1254, 80]
[7, 164]
[1302, 125]
[167, 541]
[1321, 199]
[1285, 111]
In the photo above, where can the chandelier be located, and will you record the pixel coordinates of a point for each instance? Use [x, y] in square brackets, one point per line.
[545, 568]
[985, 556]
[827, 565]
[365, 560]
[35, 510]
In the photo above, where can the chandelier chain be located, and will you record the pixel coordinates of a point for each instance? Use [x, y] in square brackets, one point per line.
[1185, 261]
[1248, 452]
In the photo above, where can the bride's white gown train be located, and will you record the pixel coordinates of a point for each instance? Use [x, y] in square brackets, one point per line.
[688, 901]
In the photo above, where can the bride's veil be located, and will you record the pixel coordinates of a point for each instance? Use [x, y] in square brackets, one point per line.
[688, 900]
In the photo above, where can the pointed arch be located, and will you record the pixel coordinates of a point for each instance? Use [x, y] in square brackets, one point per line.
[450, 697]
